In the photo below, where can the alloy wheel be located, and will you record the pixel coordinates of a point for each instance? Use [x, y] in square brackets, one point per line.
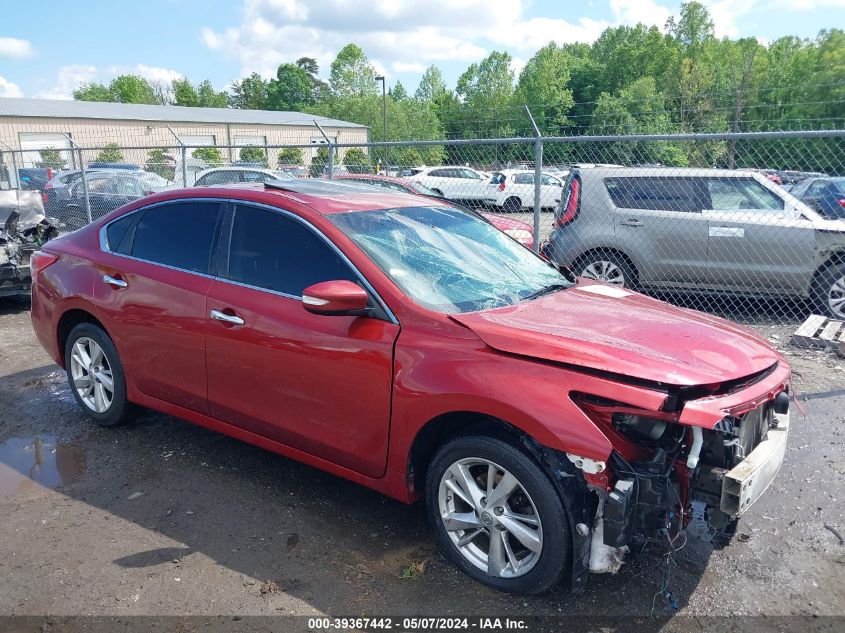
[92, 375]
[604, 270]
[490, 518]
[836, 297]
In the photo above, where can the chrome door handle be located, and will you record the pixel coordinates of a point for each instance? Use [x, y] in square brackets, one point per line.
[114, 281]
[226, 318]
[631, 222]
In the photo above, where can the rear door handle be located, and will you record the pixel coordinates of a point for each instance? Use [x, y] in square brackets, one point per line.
[115, 282]
[631, 222]
[217, 315]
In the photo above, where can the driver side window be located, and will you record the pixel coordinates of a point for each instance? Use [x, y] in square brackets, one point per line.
[741, 194]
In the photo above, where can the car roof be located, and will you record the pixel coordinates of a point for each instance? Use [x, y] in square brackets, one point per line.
[323, 196]
[602, 172]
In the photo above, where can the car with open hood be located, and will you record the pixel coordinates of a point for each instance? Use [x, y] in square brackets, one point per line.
[549, 423]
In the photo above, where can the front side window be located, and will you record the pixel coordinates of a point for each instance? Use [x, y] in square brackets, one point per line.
[524, 179]
[740, 194]
[654, 193]
[440, 173]
[449, 260]
[179, 235]
[273, 251]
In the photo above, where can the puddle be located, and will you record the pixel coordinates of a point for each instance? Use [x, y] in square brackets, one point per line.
[29, 462]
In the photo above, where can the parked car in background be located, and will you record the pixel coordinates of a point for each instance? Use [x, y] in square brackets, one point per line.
[228, 175]
[698, 230]
[461, 184]
[123, 166]
[520, 231]
[296, 171]
[107, 190]
[23, 229]
[550, 424]
[825, 195]
[513, 190]
[34, 178]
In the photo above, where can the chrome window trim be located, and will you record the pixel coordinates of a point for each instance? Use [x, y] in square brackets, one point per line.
[104, 246]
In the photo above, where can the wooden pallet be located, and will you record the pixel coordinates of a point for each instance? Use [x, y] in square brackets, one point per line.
[820, 332]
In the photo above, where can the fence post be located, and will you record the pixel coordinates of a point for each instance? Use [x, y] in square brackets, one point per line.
[538, 179]
[85, 187]
[184, 157]
[331, 148]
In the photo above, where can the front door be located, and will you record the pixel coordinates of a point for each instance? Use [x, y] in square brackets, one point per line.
[319, 384]
[757, 243]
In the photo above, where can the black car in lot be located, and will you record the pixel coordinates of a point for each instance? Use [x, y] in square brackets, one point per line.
[825, 195]
[34, 178]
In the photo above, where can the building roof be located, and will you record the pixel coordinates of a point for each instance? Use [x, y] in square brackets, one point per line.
[53, 108]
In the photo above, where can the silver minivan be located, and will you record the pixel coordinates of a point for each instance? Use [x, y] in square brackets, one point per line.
[700, 230]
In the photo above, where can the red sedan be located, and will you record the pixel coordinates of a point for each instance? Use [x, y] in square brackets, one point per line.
[518, 230]
[549, 423]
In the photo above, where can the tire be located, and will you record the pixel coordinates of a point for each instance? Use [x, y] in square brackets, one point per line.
[105, 407]
[607, 267]
[829, 290]
[525, 571]
[512, 204]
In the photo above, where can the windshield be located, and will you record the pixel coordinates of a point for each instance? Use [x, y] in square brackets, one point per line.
[449, 260]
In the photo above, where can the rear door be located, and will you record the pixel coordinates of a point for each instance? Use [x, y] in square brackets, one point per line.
[659, 223]
[151, 286]
[757, 243]
[319, 384]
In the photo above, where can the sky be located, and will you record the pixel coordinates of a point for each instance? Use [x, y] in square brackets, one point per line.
[74, 43]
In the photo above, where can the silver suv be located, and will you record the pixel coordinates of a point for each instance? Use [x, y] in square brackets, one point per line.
[701, 230]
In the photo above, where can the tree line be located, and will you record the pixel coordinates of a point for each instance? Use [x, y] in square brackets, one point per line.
[631, 80]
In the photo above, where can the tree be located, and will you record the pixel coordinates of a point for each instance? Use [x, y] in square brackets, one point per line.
[290, 156]
[409, 157]
[211, 98]
[159, 163]
[50, 159]
[431, 84]
[398, 92]
[543, 88]
[309, 65]
[202, 96]
[122, 89]
[290, 90]
[210, 155]
[318, 163]
[357, 161]
[249, 93]
[351, 73]
[184, 93]
[253, 154]
[110, 154]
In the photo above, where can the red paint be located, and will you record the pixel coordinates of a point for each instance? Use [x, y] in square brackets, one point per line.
[349, 394]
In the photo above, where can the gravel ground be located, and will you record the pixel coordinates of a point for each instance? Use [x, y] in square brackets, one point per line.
[165, 518]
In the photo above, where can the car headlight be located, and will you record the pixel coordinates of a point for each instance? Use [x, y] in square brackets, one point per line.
[518, 234]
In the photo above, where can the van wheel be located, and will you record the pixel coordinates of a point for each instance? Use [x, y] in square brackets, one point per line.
[95, 375]
[497, 515]
[606, 267]
[512, 204]
[829, 290]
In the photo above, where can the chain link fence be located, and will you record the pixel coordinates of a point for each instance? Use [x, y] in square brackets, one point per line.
[748, 226]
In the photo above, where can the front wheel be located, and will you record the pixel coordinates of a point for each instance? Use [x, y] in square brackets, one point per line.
[497, 515]
[829, 290]
[95, 375]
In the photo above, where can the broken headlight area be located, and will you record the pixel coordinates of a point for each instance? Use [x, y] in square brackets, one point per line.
[18, 240]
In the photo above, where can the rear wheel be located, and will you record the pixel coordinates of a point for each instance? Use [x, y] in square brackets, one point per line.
[512, 204]
[95, 375]
[606, 267]
[829, 290]
[497, 515]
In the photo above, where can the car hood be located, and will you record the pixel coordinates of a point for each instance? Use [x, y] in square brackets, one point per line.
[610, 329]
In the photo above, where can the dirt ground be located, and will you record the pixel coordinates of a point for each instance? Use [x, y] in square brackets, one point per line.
[165, 518]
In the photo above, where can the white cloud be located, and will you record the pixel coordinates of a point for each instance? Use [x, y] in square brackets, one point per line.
[8, 89]
[632, 12]
[15, 47]
[725, 14]
[405, 36]
[69, 78]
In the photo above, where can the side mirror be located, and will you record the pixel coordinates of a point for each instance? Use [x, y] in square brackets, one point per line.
[335, 298]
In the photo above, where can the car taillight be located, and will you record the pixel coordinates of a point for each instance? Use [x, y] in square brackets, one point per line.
[569, 210]
[502, 186]
[38, 261]
[50, 173]
[44, 197]
[841, 202]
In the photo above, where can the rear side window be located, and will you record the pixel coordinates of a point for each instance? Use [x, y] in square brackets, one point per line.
[654, 193]
[440, 173]
[273, 251]
[220, 178]
[117, 229]
[735, 194]
[524, 179]
[179, 235]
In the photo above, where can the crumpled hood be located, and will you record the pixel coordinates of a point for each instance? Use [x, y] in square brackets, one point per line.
[610, 329]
